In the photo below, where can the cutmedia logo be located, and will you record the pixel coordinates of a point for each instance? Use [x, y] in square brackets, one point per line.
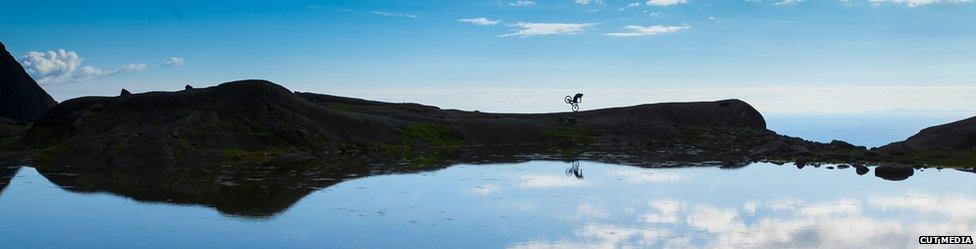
[950, 240]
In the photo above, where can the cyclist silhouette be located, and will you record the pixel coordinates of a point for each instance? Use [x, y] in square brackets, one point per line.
[574, 101]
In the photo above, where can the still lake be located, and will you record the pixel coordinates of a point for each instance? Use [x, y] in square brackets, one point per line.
[524, 205]
[534, 204]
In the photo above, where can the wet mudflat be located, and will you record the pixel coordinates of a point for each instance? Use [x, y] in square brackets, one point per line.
[517, 205]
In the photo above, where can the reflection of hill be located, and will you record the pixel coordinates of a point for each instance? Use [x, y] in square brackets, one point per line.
[6, 173]
[250, 190]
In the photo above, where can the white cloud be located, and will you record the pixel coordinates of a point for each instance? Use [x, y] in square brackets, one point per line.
[55, 67]
[522, 3]
[655, 14]
[917, 3]
[666, 2]
[480, 21]
[65, 66]
[631, 5]
[132, 67]
[647, 177]
[666, 211]
[483, 190]
[173, 61]
[714, 219]
[789, 2]
[383, 13]
[532, 28]
[589, 210]
[956, 206]
[550, 181]
[648, 30]
[585, 2]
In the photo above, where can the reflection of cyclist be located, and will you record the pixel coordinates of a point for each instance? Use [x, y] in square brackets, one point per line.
[575, 171]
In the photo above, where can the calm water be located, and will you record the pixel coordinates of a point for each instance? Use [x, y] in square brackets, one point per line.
[522, 205]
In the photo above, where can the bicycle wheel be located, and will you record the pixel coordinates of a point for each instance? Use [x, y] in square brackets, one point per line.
[569, 100]
[575, 108]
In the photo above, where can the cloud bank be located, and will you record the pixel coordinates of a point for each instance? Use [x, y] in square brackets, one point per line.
[65, 66]
[648, 30]
[666, 2]
[480, 21]
[384, 13]
[522, 3]
[917, 3]
[535, 28]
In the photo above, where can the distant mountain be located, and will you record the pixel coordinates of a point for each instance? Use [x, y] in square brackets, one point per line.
[21, 98]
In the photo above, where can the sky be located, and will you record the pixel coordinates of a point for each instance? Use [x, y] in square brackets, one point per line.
[782, 56]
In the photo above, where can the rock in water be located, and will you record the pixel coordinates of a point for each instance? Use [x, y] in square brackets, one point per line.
[20, 97]
[861, 169]
[894, 171]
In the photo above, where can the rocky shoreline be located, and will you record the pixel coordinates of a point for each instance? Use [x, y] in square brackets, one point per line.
[254, 121]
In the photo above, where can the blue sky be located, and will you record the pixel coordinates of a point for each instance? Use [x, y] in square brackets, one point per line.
[423, 51]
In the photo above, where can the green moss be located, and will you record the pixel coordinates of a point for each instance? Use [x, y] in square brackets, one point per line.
[430, 134]
[263, 155]
[576, 136]
[937, 158]
[49, 156]
[115, 151]
[426, 158]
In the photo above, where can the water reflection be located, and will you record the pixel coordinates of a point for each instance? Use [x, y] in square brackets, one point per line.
[263, 190]
[247, 190]
[575, 170]
[518, 205]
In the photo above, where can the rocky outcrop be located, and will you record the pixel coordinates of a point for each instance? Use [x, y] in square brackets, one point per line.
[959, 135]
[259, 120]
[894, 171]
[21, 99]
[952, 145]
[215, 122]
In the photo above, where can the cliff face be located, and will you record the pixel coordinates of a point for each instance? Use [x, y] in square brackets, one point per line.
[258, 119]
[21, 98]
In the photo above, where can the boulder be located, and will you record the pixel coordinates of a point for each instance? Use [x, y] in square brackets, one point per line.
[894, 171]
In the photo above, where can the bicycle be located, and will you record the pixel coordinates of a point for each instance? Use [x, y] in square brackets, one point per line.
[574, 101]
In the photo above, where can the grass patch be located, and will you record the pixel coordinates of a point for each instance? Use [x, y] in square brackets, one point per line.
[574, 136]
[49, 156]
[263, 155]
[430, 134]
[961, 159]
